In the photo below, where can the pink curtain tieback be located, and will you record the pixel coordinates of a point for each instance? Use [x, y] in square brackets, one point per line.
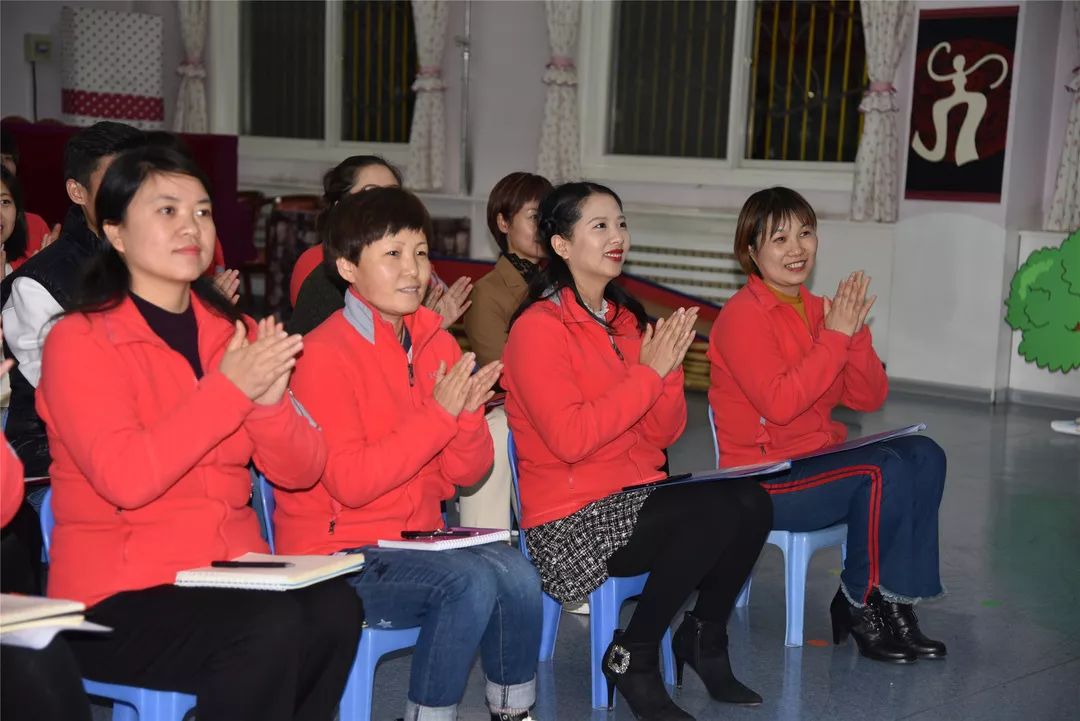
[429, 71]
[561, 62]
[880, 87]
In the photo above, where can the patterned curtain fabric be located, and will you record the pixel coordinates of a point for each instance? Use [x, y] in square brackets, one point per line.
[191, 102]
[1064, 211]
[885, 27]
[427, 143]
[559, 158]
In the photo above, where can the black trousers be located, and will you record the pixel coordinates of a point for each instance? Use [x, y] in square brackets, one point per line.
[246, 655]
[704, 537]
[41, 685]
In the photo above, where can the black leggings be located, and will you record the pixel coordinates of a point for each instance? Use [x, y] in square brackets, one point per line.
[246, 655]
[700, 536]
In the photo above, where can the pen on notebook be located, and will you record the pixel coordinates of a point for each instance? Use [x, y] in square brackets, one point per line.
[251, 564]
[438, 533]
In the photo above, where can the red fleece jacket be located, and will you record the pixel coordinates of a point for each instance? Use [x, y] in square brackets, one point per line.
[394, 453]
[775, 381]
[149, 470]
[11, 482]
[586, 422]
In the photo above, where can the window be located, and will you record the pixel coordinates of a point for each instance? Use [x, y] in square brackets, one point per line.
[808, 73]
[354, 88]
[283, 68]
[671, 98]
[719, 93]
[380, 65]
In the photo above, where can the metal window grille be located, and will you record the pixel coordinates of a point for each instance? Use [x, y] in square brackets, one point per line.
[380, 66]
[808, 73]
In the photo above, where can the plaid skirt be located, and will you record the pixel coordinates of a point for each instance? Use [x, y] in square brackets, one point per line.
[571, 553]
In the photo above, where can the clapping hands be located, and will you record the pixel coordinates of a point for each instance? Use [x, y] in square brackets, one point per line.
[459, 389]
[846, 312]
[664, 345]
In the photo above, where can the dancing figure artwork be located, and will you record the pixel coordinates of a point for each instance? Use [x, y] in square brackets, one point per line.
[961, 93]
[975, 101]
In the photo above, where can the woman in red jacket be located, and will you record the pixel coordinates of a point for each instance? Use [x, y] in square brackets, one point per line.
[157, 395]
[404, 421]
[782, 359]
[594, 395]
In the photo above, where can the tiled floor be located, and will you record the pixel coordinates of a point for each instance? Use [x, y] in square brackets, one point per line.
[1010, 533]
[1010, 525]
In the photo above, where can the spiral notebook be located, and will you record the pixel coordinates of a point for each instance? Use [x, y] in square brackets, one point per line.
[448, 538]
[300, 572]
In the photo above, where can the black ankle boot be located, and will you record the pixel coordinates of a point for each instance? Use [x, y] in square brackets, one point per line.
[903, 624]
[522, 716]
[634, 669]
[704, 645]
[869, 629]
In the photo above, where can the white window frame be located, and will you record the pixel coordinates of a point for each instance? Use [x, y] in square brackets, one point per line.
[307, 158]
[594, 88]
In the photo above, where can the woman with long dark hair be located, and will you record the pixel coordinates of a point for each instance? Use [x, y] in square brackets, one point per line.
[157, 394]
[595, 393]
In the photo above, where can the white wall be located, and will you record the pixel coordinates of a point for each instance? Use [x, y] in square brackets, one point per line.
[18, 17]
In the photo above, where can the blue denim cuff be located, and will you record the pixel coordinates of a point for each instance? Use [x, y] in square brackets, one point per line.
[513, 698]
[416, 712]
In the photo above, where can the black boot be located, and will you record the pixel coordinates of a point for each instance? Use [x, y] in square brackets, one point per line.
[903, 624]
[522, 716]
[634, 669]
[869, 630]
[704, 645]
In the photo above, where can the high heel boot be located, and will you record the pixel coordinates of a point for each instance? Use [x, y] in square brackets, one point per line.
[869, 629]
[903, 624]
[634, 669]
[704, 645]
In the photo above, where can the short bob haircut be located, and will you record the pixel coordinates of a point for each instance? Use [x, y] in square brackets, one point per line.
[364, 218]
[763, 213]
[509, 196]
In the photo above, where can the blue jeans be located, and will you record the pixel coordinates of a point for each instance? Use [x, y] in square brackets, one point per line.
[888, 495]
[484, 598]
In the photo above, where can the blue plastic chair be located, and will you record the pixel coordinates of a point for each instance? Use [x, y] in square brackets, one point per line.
[130, 703]
[374, 642]
[604, 606]
[798, 548]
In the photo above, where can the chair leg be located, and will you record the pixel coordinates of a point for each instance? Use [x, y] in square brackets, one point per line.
[744, 595]
[797, 555]
[123, 712]
[550, 628]
[603, 620]
[667, 658]
[356, 701]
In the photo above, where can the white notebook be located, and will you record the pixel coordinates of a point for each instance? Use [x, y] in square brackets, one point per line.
[300, 571]
[32, 621]
[448, 538]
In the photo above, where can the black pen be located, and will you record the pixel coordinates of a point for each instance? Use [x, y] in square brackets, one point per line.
[250, 564]
[438, 533]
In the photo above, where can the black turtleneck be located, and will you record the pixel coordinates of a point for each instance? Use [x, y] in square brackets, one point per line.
[178, 330]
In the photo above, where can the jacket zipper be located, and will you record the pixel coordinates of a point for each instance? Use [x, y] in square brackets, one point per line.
[615, 348]
[412, 377]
